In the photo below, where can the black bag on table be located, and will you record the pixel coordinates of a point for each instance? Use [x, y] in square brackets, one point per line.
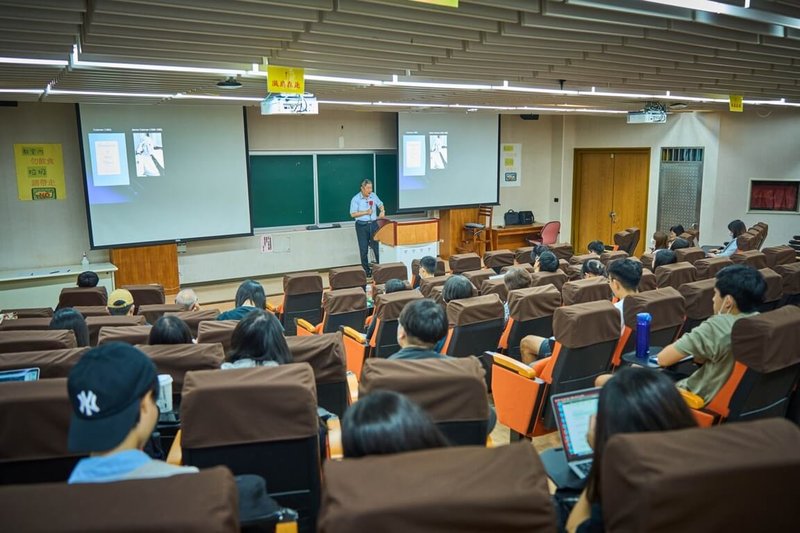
[510, 218]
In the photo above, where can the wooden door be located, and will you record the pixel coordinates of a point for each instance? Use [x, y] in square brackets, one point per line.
[610, 194]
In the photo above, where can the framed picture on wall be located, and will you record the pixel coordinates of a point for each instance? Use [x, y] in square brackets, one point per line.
[774, 196]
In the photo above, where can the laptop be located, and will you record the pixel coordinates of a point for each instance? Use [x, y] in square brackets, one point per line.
[572, 413]
[23, 374]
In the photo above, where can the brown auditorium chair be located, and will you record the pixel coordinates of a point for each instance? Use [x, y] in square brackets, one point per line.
[648, 281]
[387, 311]
[523, 255]
[152, 294]
[94, 323]
[425, 285]
[72, 296]
[153, 312]
[689, 255]
[689, 237]
[586, 336]
[193, 319]
[647, 260]
[51, 363]
[612, 255]
[380, 288]
[496, 260]
[707, 268]
[562, 250]
[191, 503]
[213, 331]
[347, 277]
[699, 305]
[438, 271]
[666, 306]
[30, 312]
[626, 241]
[752, 258]
[34, 417]
[675, 275]
[381, 273]
[557, 279]
[326, 355]
[466, 489]
[530, 312]
[574, 272]
[779, 255]
[477, 277]
[437, 295]
[774, 294]
[765, 373]
[747, 241]
[129, 334]
[341, 308]
[33, 323]
[92, 310]
[582, 258]
[495, 286]
[22, 340]
[460, 263]
[585, 290]
[791, 282]
[452, 391]
[525, 266]
[660, 481]
[302, 298]
[476, 325]
[260, 421]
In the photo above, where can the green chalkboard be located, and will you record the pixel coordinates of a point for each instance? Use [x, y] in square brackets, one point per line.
[386, 181]
[282, 190]
[338, 179]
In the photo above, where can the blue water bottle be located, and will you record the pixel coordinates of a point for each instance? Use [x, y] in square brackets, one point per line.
[643, 335]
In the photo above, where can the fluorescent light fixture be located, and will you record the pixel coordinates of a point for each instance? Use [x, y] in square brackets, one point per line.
[21, 91]
[337, 79]
[184, 96]
[342, 102]
[476, 107]
[434, 85]
[615, 95]
[702, 5]
[113, 94]
[30, 61]
[158, 68]
[558, 92]
[407, 104]
[781, 102]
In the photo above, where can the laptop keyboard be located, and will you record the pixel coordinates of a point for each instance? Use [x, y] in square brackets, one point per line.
[583, 468]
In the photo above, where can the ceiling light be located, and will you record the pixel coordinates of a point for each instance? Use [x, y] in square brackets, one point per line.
[107, 93]
[21, 91]
[183, 96]
[229, 83]
[558, 92]
[29, 61]
[702, 5]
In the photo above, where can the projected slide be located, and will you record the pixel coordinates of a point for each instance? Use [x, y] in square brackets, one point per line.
[109, 162]
[438, 151]
[149, 153]
[413, 158]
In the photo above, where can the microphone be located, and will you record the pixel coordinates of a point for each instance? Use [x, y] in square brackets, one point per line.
[370, 203]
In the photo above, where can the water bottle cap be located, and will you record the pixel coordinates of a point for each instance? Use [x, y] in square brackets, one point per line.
[643, 317]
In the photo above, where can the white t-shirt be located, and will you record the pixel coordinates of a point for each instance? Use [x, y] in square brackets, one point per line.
[619, 307]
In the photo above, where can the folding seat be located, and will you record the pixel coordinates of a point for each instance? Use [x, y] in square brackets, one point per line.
[648, 281]
[530, 312]
[699, 304]
[216, 331]
[495, 286]
[624, 240]
[496, 260]
[675, 275]
[791, 282]
[451, 391]
[607, 257]
[23, 340]
[425, 285]
[72, 296]
[35, 323]
[152, 294]
[51, 363]
[523, 255]
[647, 259]
[765, 373]
[465, 489]
[779, 255]
[341, 307]
[302, 298]
[562, 250]
[381, 273]
[30, 312]
[191, 503]
[326, 355]
[153, 312]
[747, 241]
[347, 277]
[586, 336]
[34, 422]
[689, 255]
[476, 325]
[752, 258]
[130, 334]
[194, 318]
[477, 277]
[666, 306]
[94, 323]
[92, 310]
[707, 268]
[260, 421]
[661, 481]
[582, 258]
[585, 290]
[464, 262]
[439, 271]
[557, 279]
[774, 294]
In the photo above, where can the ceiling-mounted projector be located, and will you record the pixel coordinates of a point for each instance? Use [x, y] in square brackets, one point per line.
[290, 104]
[653, 113]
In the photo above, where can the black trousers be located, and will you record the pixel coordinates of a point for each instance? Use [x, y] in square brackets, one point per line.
[364, 233]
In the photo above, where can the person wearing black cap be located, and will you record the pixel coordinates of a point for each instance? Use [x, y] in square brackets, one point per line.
[113, 391]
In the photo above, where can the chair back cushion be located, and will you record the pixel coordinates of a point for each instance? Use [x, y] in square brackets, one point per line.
[381, 273]
[698, 297]
[302, 283]
[426, 284]
[579, 325]
[707, 268]
[533, 302]
[51, 363]
[768, 342]
[194, 318]
[474, 310]
[325, 353]
[129, 334]
[94, 323]
[753, 258]
[153, 312]
[613, 255]
[791, 277]
[689, 255]
[562, 250]
[389, 306]
[464, 262]
[146, 294]
[586, 290]
[667, 307]
[178, 359]
[35, 340]
[347, 277]
[556, 279]
[213, 331]
[675, 275]
[498, 259]
[779, 255]
[72, 296]
[344, 300]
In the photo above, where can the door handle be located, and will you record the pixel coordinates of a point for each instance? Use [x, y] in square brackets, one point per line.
[613, 216]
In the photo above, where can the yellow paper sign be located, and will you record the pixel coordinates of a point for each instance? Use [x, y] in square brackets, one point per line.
[40, 172]
[735, 103]
[285, 80]
[446, 3]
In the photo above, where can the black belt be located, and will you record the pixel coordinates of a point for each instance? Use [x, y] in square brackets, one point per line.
[364, 222]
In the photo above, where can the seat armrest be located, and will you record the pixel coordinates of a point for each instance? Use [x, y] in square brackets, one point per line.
[334, 438]
[306, 325]
[273, 308]
[512, 364]
[352, 386]
[175, 455]
[693, 400]
[352, 333]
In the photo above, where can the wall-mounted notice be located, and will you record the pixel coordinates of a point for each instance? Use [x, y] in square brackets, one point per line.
[266, 244]
[40, 172]
[510, 165]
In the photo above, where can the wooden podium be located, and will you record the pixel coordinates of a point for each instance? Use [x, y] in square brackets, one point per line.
[406, 241]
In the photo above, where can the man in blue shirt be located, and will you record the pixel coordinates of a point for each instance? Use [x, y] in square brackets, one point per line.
[363, 208]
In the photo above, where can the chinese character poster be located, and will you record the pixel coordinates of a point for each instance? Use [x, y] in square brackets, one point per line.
[40, 172]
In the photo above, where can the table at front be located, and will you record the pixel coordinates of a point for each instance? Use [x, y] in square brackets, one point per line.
[40, 287]
[513, 237]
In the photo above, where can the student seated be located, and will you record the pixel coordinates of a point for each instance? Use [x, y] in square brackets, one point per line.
[250, 296]
[679, 243]
[597, 248]
[188, 299]
[421, 324]
[538, 250]
[456, 287]
[665, 257]
[386, 422]
[113, 390]
[88, 279]
[593, 268]
[515, 278]
[69, 318]
[738, 291]
[392, 285]
[258, 340]
[120, 303]
[546, 262]
[427, 269]
[659, 241]
[737, 228]
[170, 329]
[633, 400]
[674, 232]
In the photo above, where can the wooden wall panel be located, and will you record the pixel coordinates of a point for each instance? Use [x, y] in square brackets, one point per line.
[147, 264]
[451, 225]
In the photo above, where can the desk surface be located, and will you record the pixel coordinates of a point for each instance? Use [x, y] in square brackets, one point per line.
[521, 228]
[513, 237]
[54, 272]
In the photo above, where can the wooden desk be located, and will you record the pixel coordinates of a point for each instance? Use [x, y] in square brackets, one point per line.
[513, 237]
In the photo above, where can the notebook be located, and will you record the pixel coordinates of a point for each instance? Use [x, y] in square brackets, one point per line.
[23, 374]
[572, 413]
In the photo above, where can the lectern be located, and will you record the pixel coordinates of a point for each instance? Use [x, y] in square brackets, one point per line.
[406, 241]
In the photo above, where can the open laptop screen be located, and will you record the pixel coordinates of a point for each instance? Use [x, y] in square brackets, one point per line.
[573, 411]
[23, 374]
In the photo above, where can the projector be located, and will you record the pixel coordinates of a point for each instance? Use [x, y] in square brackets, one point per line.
[647, 117]
[290, 104]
